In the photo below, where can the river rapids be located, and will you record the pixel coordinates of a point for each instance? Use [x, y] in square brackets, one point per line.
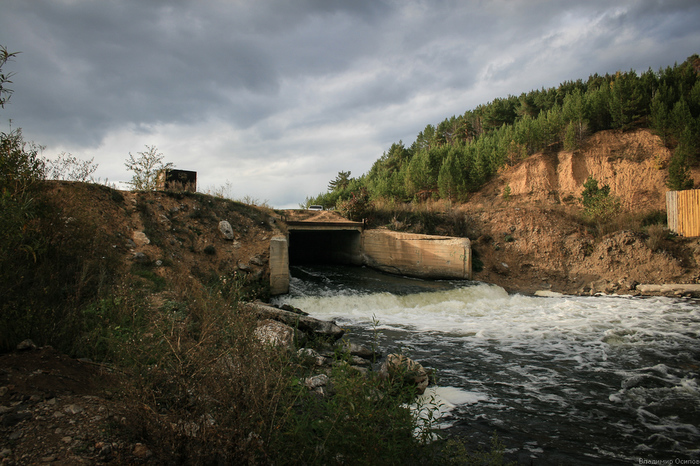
[559, 379]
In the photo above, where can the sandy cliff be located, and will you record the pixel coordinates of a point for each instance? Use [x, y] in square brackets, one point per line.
[536, 239]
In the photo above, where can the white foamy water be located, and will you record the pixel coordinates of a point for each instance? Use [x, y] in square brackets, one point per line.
[570, 380]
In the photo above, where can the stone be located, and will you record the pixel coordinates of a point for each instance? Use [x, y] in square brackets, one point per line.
[73, 409]
[316, 382]
[141, 258]
[296, 310]
[141, 451]
[26, 345]
[275, 333]
[226, 230]
[314, 356]
[257, 260]
[358, 361]
[305, 324]
[140, 238]
[358, 350]
[400, 366]
[243, 267]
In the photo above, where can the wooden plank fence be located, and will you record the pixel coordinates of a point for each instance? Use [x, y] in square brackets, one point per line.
[683, 212]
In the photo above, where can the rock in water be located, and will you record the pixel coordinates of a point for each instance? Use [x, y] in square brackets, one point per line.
[399, 366]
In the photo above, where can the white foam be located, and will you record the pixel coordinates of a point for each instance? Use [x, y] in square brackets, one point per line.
[488, 312]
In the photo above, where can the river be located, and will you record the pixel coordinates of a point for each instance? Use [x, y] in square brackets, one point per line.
[560, 380]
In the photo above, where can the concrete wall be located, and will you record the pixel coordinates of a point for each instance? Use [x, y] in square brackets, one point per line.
[414, 255]
[408, 254]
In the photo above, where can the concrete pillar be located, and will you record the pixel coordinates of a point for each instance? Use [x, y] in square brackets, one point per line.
[279, 265]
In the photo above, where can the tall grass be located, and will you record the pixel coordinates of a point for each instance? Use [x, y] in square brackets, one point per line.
[433, 217]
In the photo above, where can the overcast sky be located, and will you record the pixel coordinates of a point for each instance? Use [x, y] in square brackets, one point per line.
[274, 97]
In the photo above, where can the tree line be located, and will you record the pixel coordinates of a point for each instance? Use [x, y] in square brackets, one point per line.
[461, 153]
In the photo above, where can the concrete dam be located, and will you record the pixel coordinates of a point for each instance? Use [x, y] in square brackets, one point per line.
[323, 237]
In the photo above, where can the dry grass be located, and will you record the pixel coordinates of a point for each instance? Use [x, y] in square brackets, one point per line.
[657, 234]
[434, 217]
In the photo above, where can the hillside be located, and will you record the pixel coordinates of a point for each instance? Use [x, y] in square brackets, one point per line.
[537, 239]
[158, 265]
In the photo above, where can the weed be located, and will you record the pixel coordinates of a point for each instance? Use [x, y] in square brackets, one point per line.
[155, 281]
[654, 217]
[657, 234]
[454, 452]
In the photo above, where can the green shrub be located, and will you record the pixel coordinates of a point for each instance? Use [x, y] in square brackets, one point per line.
[599, 205]
[506, 193]
[361, 423]
[357, 207]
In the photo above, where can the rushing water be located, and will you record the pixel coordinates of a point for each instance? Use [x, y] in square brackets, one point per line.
[561, 380]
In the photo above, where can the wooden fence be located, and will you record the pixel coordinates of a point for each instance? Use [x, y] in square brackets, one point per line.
[683, 212]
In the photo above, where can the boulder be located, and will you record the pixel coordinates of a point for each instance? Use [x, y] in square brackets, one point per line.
[358, 350]
[226, 230]
[400, 367]
[314, 356]
[318, 384]
[258, 260]
[26, 345]
[140, 238]
[275, 333]
[306, 324]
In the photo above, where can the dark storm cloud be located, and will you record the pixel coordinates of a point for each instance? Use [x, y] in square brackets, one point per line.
[273, 89]
[89, 65]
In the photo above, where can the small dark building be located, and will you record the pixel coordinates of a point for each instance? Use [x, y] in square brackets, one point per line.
[176, 180]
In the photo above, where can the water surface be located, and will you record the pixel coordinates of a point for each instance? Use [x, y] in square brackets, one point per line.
[561, 380]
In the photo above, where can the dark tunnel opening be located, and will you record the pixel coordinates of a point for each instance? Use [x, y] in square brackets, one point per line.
[308, 247]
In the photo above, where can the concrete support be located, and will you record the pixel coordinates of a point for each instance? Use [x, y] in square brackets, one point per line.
[279, 265]
[407, 254]
[417, 255]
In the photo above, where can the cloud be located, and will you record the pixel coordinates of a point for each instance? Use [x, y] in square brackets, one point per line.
[277, 97]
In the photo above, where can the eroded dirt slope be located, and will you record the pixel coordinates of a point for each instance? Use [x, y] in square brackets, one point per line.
[536, 240]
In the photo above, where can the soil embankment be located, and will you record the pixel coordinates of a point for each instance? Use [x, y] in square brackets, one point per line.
[536, 239]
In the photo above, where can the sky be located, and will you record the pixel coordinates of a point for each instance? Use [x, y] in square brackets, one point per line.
[269, 99]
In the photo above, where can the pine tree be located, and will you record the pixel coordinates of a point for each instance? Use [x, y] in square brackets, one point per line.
[678, 169]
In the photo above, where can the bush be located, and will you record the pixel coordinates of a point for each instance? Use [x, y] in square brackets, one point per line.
[599, 205]
[657, 235]
[146, 168]
[506, 193]
[357, 207]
